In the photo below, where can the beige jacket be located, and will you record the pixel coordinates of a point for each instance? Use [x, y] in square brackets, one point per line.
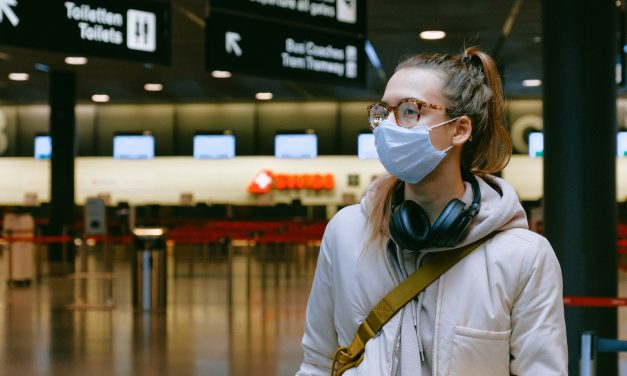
[497, 312]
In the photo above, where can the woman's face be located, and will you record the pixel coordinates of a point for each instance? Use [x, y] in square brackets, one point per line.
[426, 86]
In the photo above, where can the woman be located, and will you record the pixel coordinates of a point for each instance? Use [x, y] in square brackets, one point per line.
[439, 131]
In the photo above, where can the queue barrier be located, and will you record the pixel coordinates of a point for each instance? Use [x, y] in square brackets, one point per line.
[266, 235]
[591, 345]
[280, 232]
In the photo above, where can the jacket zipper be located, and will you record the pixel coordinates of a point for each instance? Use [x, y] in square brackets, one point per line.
[436, 331]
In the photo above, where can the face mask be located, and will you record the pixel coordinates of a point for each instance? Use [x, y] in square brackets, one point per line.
[407, 153]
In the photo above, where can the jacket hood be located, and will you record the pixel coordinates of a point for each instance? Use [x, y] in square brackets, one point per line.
[500, 208]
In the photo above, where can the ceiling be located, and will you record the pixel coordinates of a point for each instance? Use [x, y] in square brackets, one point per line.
[392, 28]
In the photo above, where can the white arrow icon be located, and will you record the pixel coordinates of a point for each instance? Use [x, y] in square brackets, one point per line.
[5, 7]
[231, 45]
[263, 180]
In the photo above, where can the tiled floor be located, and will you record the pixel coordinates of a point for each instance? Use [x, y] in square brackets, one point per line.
[239, 317]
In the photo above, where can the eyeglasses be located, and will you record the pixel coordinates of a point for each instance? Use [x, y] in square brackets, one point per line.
[407, 113]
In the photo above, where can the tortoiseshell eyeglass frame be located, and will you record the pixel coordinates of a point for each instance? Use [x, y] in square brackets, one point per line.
[419, 103]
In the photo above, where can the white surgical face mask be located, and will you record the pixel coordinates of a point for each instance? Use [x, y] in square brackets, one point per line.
[408, 153]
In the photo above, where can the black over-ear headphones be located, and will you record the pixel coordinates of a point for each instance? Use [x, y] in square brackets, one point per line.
[410, 226]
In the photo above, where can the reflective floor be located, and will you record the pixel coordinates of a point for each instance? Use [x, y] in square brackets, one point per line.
[228, 313]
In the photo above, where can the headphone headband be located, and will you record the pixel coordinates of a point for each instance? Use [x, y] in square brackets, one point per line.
[476, 193]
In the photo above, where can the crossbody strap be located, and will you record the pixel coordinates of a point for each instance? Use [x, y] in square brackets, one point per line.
[350, 356]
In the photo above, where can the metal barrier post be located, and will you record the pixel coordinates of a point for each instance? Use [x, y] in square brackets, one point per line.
[83, 276]
[149, 270]
[108, 268]
[64, 249]
[9, 250]
[587, 362]
[82, 271]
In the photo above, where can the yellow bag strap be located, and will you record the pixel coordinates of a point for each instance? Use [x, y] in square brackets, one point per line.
[350, 356]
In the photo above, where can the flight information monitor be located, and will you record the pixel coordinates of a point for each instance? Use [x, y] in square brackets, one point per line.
[297, 145]
[134, 146]
[536, 144]
[621, 144]
[366, 147]
[214, 146]
[43, 147]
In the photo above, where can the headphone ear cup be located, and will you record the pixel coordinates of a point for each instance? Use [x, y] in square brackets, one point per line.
[410, 226]
[444, 232]
[459, 230]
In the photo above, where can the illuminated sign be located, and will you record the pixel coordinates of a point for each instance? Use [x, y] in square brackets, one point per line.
[320, 41]
[268, 49]
[130, 30]
[266, 180]
[348, 16]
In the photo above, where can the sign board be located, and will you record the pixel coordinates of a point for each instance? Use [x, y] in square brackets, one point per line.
[130, 30]
[270, 49]
[95, 216]
[338, 15]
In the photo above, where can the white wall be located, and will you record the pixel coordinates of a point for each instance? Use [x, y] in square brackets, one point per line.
[164, 179]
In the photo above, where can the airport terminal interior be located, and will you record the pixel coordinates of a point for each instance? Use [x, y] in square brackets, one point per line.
[209, 144]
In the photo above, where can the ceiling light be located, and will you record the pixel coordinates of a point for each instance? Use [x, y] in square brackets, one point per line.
[432, 34]
[537, 39]
[5, 56]
[264, 96]
[100, 98]
[221, 74]
[76, 60]
[531, 83]
[18, 76]
[153, 87]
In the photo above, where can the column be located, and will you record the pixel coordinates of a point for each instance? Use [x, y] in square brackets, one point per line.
[579, 48]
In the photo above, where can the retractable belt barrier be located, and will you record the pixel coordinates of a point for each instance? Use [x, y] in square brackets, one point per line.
[212, 232]
[592, 301]
[38, 239]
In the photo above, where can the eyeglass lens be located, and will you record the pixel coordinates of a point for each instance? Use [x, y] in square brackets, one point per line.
[407, 114]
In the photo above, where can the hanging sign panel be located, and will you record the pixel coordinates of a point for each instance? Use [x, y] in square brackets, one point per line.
[244, 45]
[341, 15]
[129, 30]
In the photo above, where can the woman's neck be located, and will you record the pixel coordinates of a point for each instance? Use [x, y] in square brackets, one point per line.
[435, 191]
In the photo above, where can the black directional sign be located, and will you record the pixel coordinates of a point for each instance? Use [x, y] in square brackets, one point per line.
[131, 30]
[301, 40]
[338, 15]
[270, 49]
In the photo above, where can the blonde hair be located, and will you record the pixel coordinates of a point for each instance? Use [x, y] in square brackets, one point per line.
[472, 87]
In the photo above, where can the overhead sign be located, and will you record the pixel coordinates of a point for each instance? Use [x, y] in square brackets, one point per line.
[340, 15]
[7, 11]
[269, 49]
[130, 30]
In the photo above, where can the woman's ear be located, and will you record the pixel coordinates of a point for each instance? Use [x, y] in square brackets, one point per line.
[463, 131]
